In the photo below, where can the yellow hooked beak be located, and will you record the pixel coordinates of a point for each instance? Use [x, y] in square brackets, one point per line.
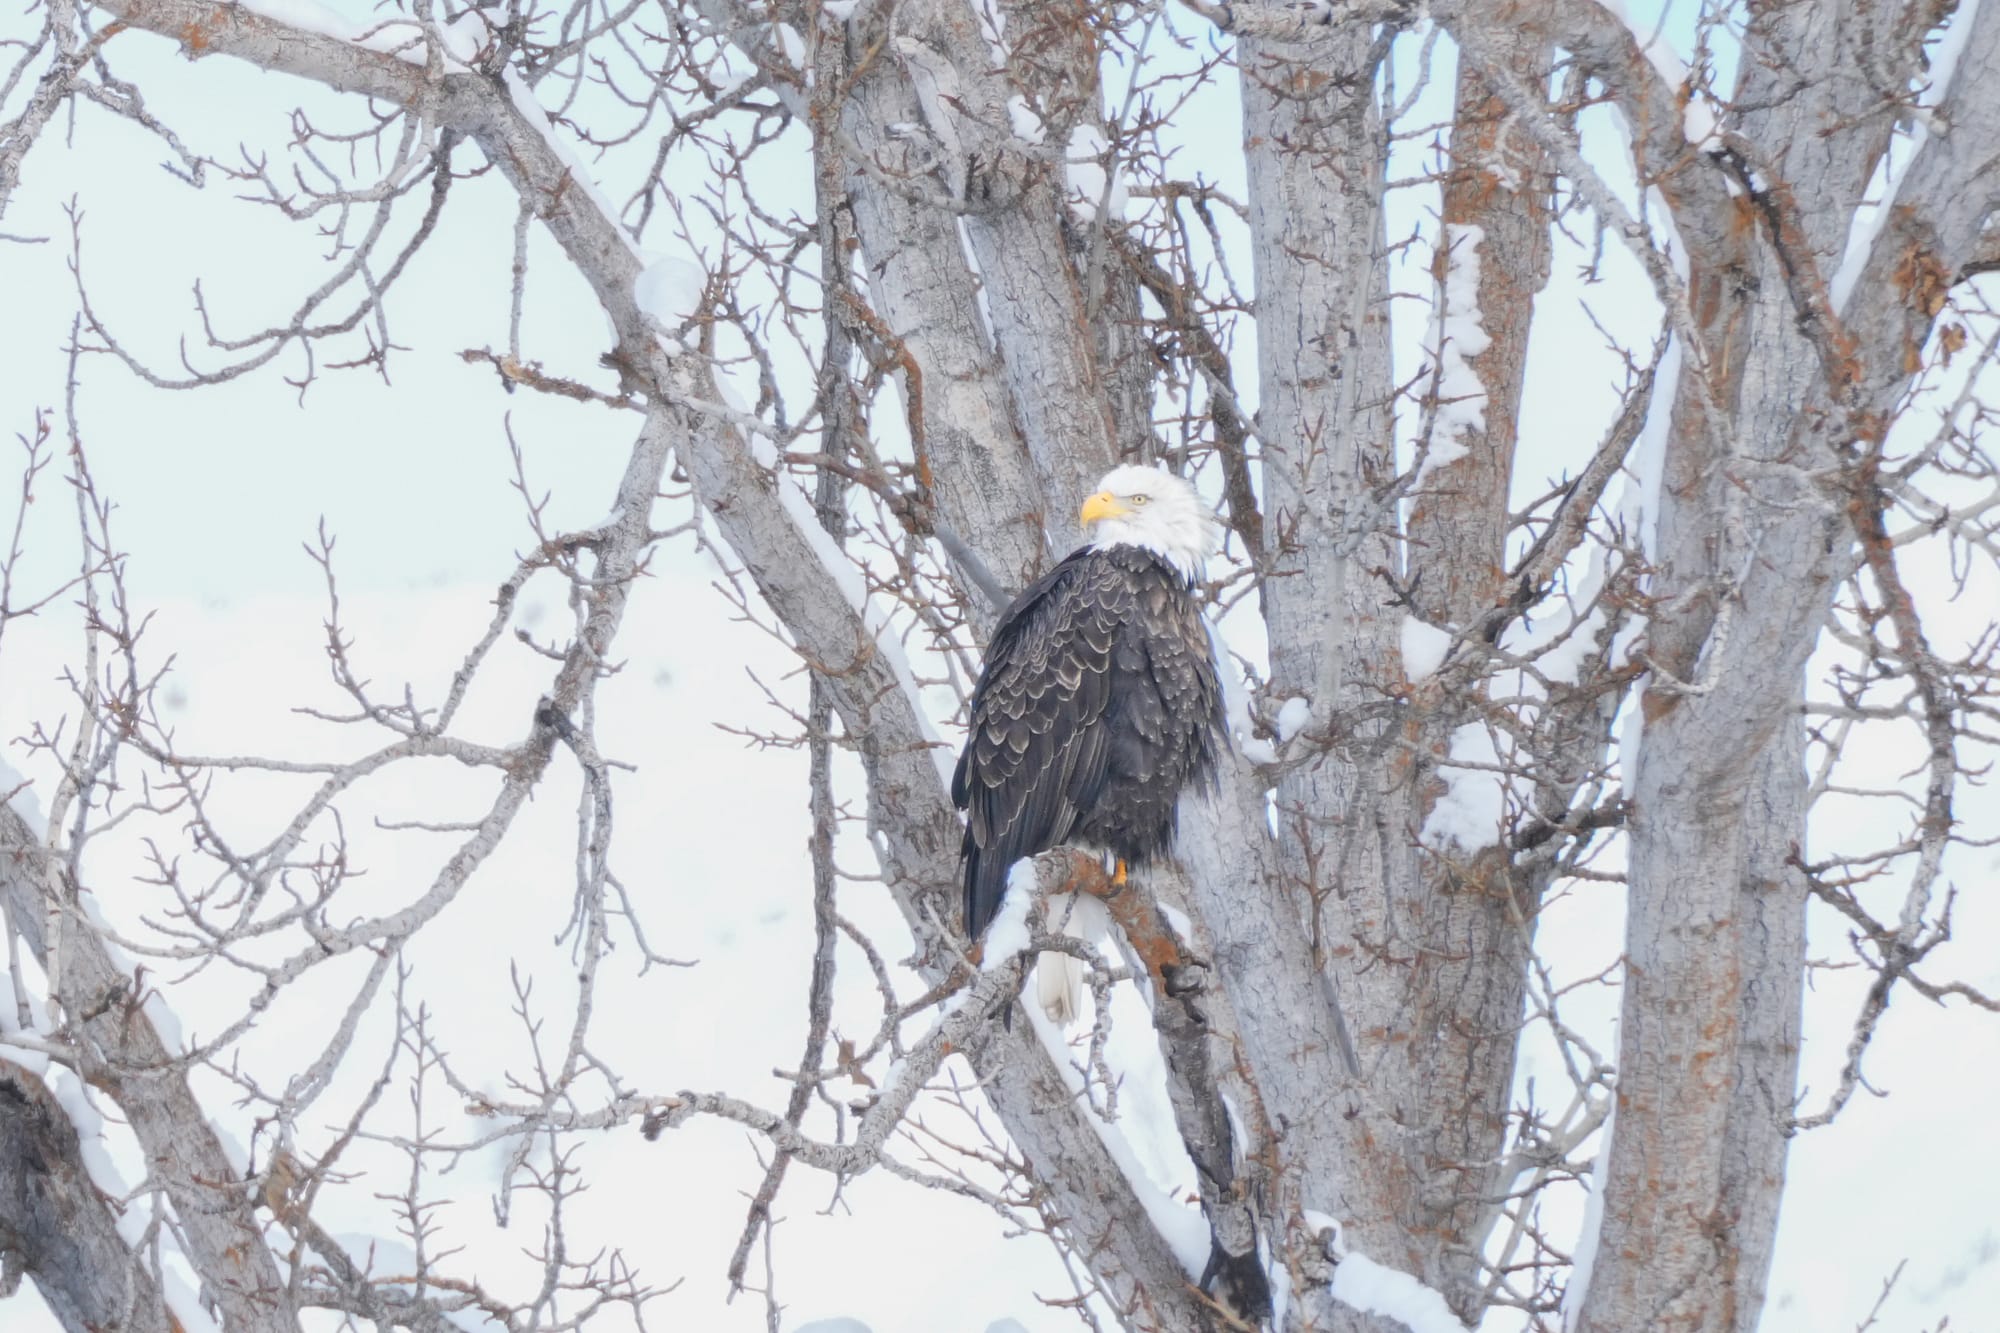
[1102, 505]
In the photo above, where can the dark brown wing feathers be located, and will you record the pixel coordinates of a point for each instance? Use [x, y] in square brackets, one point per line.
[1098, 704]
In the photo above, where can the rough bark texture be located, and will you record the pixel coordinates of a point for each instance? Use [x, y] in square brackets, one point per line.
[57, 1225]
[123, 1056]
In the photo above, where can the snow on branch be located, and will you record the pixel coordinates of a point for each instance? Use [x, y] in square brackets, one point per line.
[56, 1220]
[1456, 336]
[1362, 1284]
[195, 1169]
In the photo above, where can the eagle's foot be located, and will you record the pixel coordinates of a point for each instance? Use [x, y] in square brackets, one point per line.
[1116, 873]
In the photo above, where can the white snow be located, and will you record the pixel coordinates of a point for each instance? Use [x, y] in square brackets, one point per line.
[790, 44]
[993, 27]
[183, 1293]
[402, 38]
[875, 619]
[1257, 750]
[467, 35]
[1362, 1284]
[1552, 648]
[1456, 335]
[232, 1147]
[580, 173]
[841, 9]
[309, 15]
[1293, 715]
[1624, 640]
[1701, 123]
[1873, 214]
[93, 913]
[33, 987]
[1236, 704]
[1585, 1255]
[669, 290]
[1319, 1222]
[1646, 464]
[104, 1172]
[1153, 1157]
[1239, 1138]
[1700, 119]
[1639, 502]
[853, 589]
[1144, 1141]
[731, 70]
[1666, 232]
[1631, 738]
[378, 1256]
[1027, 125]
[1470, 812]
[1007, 936]
[1090, 177]
[1424, 647]
[1554, 641]
[165, 1022]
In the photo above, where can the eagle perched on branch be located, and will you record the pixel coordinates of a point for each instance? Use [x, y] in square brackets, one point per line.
[1100, 702]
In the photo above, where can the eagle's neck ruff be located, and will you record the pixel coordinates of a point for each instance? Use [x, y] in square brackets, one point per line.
[1187, 563]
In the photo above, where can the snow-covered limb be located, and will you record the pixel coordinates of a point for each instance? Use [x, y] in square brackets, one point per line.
[1222, 1251]
[1471, 814]
[1585, 1254]
[217, 1227]
[1700, 120]
[1666, 272]
[1457, 334]
[1223, 1254]
[1362, 1284]
[57, 1223]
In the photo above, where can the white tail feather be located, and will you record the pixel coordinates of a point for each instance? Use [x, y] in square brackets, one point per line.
[1060, 978]
[1059, 982]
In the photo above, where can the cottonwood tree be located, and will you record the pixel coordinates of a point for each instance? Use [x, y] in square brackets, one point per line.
[1483, 668]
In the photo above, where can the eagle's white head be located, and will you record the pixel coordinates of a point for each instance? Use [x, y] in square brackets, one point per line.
[1144, 506]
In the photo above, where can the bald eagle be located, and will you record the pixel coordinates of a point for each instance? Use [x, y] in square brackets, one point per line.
[1098, 705]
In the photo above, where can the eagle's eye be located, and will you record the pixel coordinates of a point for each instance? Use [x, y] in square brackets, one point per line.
[1140, 499]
